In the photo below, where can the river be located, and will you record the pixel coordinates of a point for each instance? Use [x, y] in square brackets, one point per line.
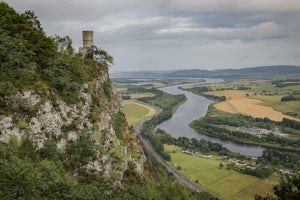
[194, 108]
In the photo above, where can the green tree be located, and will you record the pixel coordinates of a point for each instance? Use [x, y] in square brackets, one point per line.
[221, 165]
[100, 55]
[17, 178]
[64, 44]
[27, 150]
[287, 189]
[49, 151]
[30, 16]
[82, 150]
[53, 183]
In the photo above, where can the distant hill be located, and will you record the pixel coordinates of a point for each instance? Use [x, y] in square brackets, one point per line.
[262, 72]
[190, 73]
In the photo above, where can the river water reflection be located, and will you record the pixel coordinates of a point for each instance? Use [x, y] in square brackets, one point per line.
[194, 108]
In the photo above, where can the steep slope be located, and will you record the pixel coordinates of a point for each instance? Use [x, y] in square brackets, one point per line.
[63, 134]
[94, 114]
[49, 94]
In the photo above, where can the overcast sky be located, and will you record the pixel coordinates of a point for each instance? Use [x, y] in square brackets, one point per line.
[178, 34]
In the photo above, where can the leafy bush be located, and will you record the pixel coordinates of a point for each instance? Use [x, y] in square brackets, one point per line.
[82, 150]
[119, 123]
[289, 98]
[49, 151]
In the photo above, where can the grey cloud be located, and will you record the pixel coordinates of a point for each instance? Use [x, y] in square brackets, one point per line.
[279, 6]
[174, 32]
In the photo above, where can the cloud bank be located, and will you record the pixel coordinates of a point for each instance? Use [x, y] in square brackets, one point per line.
[173, 34]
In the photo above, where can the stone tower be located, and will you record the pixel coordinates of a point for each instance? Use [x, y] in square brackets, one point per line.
[87, 41]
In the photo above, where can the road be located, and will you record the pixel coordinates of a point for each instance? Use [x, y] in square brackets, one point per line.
[188, 183]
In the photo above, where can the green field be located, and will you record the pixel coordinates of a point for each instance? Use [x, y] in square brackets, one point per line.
[141, 95]
[136, 112]
[228, 184]
[289, 107]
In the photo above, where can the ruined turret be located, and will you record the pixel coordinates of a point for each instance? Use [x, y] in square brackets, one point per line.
[87, 42]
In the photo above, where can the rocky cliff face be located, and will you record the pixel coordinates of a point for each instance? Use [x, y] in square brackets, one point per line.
[97, 113]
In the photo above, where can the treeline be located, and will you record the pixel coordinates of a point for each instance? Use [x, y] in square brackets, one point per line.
[290, 98]
[291, 123]
[286, 82]
[201, 91]
[260, 172]
[285, 159]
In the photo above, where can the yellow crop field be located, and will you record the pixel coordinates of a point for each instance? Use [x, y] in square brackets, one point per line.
[230, 94]
[238, 103]
[136, 112]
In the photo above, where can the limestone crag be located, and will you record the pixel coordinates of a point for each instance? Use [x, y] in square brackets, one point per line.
[51, 118]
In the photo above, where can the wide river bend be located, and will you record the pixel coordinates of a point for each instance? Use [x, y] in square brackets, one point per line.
[194, 108]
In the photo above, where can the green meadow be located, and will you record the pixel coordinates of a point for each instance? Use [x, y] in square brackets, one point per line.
[136, 112]
[275, 102]
[227, 184]
[136, 95]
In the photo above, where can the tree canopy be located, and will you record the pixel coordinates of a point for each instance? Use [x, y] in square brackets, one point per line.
[31, 59]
